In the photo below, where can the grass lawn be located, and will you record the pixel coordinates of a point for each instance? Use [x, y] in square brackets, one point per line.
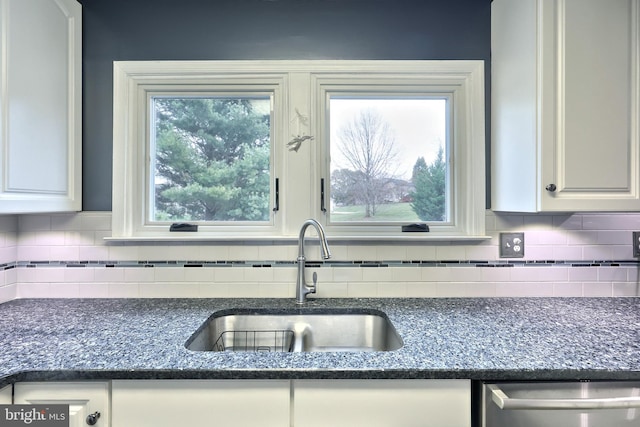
[388, 212]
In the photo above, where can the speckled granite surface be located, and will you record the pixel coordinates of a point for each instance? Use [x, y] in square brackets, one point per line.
[515, 339]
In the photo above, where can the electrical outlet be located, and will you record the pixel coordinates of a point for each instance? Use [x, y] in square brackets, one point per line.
[636, 244]
[511, 245]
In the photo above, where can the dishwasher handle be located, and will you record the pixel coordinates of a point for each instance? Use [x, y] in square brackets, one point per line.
[503, 401]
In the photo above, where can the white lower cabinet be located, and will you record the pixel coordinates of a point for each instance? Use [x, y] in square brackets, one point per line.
[249, 403]
[381, 403]
[170, 403]
[84, 398]
[6, 395]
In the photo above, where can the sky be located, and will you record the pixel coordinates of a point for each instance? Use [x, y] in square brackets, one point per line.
[418, 124]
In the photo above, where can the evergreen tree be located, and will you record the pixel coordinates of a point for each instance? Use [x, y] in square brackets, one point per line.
[429, 196]
[212, 160]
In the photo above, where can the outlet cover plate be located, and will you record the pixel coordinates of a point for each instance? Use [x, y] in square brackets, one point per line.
[511, 245]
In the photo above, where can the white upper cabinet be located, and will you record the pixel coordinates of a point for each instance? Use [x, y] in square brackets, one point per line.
[40, 106]
[565, 105]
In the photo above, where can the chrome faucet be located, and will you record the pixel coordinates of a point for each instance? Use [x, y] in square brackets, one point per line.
[302, 289]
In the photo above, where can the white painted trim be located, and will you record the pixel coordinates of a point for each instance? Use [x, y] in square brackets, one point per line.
[299, 171]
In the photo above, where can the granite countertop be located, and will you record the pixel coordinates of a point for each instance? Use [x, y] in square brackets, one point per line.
[484, 338]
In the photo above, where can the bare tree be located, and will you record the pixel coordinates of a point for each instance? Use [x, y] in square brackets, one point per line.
[368, 146]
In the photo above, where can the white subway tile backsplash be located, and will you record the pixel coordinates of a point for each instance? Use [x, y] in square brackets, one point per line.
[494, 274]
[622, 252]
[288, 274]
[98, 221]
[546, 238]
[452, 289]
[360, 253]
[8, 254]
[228, 274]
[612, 274]
[169, 290]
[64, 290]
[509, 222]
[93, 290]
[568, 289]
[524, 289]
[258, 274]
[65, 253]
[392, 290]
[8, 292]
[168, 274]
[597, 252]
[392, 252]
[567, 222]
[107, 274]
[348, 274]
[451, 252]
[139, 274]
[627, 289]
[538, 222]
[33, 290]
[583, 274]
[118, 252]
[213, 290]
[408, 274]
[78, 275]
[553, 274]
[34, 222]
[612, 221]
[613, 237]
[421, 252]
[362, 289]
[566, 255]
[123, 290]
[274, 290]
[378, 274]
[198, 274]
[239, 253]
[482, 252]
[481, 290]
[244, 290]
[594, 289]
[422, 289]
[67, 222]
[436, 274]
[325, 290]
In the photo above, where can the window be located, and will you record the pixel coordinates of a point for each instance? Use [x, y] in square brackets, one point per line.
[250, 149]
[389, 159]
[210, 159]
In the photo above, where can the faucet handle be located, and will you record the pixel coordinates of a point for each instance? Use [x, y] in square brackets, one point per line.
[315, 282]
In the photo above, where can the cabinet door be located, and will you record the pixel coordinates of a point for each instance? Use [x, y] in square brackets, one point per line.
[83, 398]
[40, 108]
[381, 403]
[6, 395]
[170, 403]
[565, 104]
[592, 158]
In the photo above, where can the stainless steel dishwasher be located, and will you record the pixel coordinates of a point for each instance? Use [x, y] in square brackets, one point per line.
[565, 404]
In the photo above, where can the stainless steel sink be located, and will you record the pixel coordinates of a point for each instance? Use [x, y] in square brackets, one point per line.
[299, 330]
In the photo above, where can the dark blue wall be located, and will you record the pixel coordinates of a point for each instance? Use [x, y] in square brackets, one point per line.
[115, 30]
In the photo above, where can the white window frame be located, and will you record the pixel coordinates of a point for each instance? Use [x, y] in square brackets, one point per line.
[300, 89]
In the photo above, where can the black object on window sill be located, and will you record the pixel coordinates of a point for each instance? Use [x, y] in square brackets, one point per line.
[183, 227]
[412, 228]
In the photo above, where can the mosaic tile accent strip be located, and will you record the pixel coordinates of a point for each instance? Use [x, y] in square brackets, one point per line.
[319, 264]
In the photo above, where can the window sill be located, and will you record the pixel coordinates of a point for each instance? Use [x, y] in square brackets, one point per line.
[264, 240]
